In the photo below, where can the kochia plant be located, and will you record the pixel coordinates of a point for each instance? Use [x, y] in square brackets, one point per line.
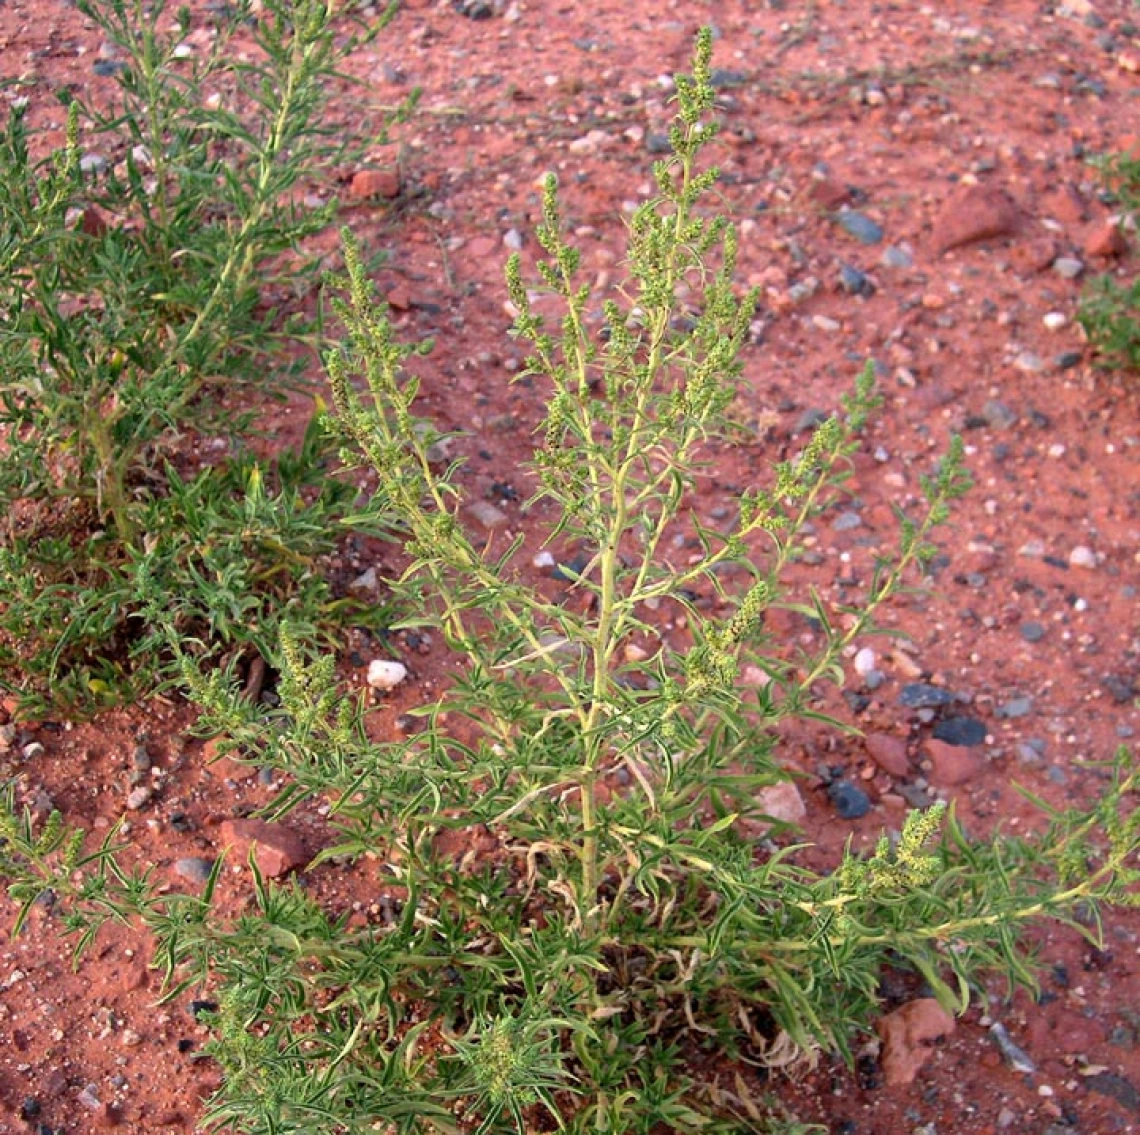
[576, 925]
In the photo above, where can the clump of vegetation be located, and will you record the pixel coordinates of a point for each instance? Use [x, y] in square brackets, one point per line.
[1110, 311]
[583, 931]
[133, 313]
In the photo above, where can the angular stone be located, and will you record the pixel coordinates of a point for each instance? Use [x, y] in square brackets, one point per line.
[906, 1034]
[952, 764]
[1033, 256]
[782, 802]
[922, 695]
[370, 183]
[888, 752]
[1106, 242]
[964, 731]
[194, 869]
[486, 515]
[974, 213]
[277, 849]
[828, 193]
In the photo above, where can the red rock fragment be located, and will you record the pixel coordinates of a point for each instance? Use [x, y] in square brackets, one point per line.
[1033, 256]
[94, 223]
[399, 298]
[465, 846]
[906, 1034]
[952, 764]
[277, 849]
[1106, 242]
[888, 752]
[1067, 205]
[828, 193]
[973, 213]
[370, 183]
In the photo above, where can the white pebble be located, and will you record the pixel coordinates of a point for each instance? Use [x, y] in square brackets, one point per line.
[384, 674]
[138, 798]
[1055, 320]
[865, 662]
[1082, 556]
[543, 559]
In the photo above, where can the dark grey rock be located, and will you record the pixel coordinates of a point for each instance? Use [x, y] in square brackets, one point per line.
[1032, 631]
[860, 226]
[1121, 688]
[657, 143]
[964, 731]
[809, 419]
[105, 68]
[915, 795]
[854, 282]
[723, 77]
[849, 799]
[922, 695]
[845, 521]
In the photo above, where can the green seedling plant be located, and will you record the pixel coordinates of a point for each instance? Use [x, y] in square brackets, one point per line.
[576, 923]
[1110, 311]
[136, 265]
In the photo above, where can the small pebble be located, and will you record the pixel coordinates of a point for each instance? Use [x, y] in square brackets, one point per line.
[998, 415]
[964, 731]
[850, 801]
[138, 798]
[92, 163]
[384, 674]
[896, 257]
[921, 695]
[860, 226]
[865, 662]
[1032, 632]
[194, 869]
[89, 1098]
[1067, 267]
[1016, 707]
[1055, 320]
[854, 282]
[1082, 556]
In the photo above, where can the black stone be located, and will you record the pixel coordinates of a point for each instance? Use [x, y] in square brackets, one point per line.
[964, 731]
[197, 1008]
[30, 1108]
[850, 801]
[922, 695]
